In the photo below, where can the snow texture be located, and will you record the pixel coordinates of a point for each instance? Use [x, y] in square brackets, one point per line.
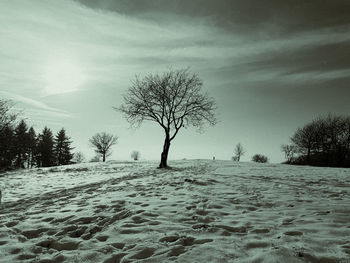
[199, 211]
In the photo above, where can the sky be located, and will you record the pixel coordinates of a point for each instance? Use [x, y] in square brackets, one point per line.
[271, 66]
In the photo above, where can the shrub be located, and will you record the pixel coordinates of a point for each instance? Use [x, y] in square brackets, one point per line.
[135, 155]
[95, 159]
[260, 158]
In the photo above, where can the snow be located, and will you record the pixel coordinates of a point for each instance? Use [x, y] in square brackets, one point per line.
[199, 211]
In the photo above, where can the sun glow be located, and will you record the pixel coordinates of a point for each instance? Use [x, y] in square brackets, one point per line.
[63, 76]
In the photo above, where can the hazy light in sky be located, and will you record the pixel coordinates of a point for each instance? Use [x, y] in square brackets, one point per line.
[63, 75]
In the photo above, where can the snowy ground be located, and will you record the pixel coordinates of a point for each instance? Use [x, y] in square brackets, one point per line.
[200, 211]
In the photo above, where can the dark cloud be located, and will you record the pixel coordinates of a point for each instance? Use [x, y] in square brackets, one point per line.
[334, 56]
[310, 59]
[320, 58]
[276, 16]
[310, 99]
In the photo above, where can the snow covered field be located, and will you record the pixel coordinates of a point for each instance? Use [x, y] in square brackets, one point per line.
[200, 211]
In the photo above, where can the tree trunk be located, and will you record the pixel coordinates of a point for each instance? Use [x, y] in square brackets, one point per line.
[164, 155]
[103, 157]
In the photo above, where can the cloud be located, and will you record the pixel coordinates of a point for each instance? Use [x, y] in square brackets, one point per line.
[249, 39]
[113, 46]
[109, 47]
[36, 106]
[249, 16]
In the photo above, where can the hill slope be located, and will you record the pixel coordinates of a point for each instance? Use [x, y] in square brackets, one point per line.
[200, 211]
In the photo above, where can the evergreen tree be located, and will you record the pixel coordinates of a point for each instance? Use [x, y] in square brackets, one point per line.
[32, 141]
[45, 149]
[62, 148]
[7, 119]
[21, 144]
[7, 116]
[6, 147]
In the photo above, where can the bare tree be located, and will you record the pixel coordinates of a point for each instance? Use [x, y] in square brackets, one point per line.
[304, 139]
[289, 151]
[135, 155]
[79, 157]
[7, 117]
[173, 100]
[102, 142]
[239, 152]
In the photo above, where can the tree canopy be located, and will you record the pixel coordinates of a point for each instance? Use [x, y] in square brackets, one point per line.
[173, 99]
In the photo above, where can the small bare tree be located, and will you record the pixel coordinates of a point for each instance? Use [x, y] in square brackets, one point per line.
[7, 117]
[135, 155]
[289, 151]
[239, 152]
[173, 100]
[79, 157]
[102, 142]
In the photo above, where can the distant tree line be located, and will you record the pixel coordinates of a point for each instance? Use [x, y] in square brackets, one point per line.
[239, 151]
[21, 147]
[325, 141]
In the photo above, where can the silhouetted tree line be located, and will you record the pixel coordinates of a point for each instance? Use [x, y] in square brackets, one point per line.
[324, 141]
[21, 147]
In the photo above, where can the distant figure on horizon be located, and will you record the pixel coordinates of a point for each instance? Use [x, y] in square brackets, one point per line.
[213, 158]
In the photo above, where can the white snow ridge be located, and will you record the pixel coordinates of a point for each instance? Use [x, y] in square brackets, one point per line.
[199, 211]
